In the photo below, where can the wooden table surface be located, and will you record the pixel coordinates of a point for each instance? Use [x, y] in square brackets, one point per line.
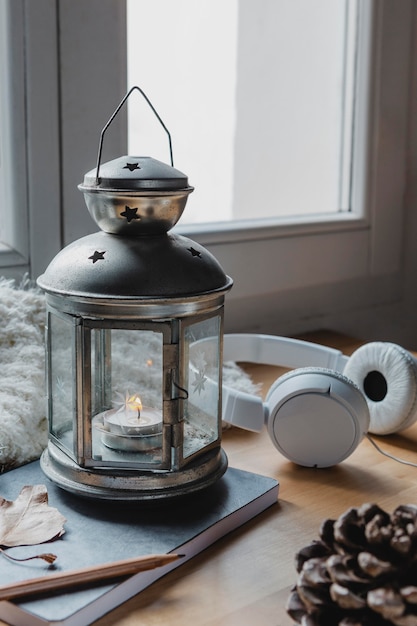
[245, 578]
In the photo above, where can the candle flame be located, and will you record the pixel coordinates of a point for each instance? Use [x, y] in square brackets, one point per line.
[128, 403]
[134, 402]
[149, 362]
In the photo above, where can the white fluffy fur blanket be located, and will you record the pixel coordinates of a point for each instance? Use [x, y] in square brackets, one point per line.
[23, 424]
[23, 428]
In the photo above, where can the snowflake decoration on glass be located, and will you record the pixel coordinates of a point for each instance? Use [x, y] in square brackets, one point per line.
[199, 381]
[60, 387]
[200, 361]
[127, 402]
[200, 364]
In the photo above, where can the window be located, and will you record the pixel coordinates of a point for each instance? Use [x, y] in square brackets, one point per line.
[30, 200]
[263, 122]
[14, 243]
[303, 271]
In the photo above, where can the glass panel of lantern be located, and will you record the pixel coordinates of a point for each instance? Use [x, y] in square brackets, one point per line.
[126, 396]
[59, 370]
[202, 407]
[120, 389]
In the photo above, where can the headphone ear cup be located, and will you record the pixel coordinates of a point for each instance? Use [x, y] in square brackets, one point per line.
[316, 417]
[387, 376]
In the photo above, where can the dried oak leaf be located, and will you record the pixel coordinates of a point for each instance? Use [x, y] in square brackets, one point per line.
[29, 520]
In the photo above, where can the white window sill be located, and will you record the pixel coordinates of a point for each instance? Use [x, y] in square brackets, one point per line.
[271, 228]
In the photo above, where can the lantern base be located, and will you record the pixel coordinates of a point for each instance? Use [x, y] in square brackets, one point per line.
[132, 485]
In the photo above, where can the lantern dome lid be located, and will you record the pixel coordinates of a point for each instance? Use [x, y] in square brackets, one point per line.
[134, 173]
[106, 266]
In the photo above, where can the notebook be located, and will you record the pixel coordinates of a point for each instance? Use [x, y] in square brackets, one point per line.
[105, 531]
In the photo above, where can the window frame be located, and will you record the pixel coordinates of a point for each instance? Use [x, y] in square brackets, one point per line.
[307, 268]
[14, 244]
[357, 254]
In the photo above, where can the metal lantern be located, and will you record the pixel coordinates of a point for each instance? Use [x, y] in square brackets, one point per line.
[134, 342]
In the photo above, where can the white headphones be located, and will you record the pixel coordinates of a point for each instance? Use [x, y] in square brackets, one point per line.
[317, 415]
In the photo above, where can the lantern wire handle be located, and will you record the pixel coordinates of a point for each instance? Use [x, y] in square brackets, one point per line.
[100, 147]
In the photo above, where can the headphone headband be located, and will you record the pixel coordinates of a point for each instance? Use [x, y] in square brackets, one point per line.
[281, 351]
[246, 410]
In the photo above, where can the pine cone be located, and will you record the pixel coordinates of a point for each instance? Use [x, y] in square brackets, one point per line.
[361, 572]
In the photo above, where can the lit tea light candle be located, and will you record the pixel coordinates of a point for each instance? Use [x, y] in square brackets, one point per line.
[133, 422]
[131, 426]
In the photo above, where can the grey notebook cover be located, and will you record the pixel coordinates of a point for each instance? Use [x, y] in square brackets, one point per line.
[100, 532]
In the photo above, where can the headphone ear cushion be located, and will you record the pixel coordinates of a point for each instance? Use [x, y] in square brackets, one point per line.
[316, 417]
[387, 376]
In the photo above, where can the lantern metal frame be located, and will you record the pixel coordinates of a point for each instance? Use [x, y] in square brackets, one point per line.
[176, 474]
[134, 275]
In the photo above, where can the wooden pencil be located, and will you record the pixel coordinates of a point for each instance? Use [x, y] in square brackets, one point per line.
[85, 575]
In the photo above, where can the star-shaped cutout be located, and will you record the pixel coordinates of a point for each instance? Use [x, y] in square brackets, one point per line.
[97, 256]
[130, 214]
[132, 166]
[194, 252]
